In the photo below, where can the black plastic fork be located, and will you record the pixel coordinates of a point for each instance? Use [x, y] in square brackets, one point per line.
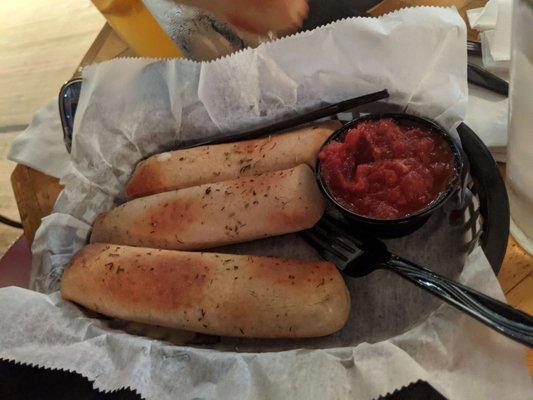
[357, 257]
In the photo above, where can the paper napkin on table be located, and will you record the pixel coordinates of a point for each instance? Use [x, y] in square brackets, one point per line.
[487, 112]
[41, 145]
[494, 24]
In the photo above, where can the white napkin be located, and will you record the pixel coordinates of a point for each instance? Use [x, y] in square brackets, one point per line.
[483, 18]
[41, 145]
[487, 114]
[494, 23]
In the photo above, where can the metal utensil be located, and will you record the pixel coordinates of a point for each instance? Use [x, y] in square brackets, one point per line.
[481, 77]
[357, 257]
[473, 48]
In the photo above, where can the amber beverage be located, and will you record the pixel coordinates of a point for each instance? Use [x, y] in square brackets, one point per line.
[134, 23]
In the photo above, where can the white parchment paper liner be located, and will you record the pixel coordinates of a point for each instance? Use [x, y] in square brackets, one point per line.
[130, 108]
[452, 352]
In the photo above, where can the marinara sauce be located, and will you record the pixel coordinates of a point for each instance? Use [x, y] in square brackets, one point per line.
[386, 170]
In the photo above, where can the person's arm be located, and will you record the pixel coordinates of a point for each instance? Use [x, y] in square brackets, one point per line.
[256, 16]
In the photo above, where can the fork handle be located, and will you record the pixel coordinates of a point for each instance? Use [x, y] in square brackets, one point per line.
[499, 316]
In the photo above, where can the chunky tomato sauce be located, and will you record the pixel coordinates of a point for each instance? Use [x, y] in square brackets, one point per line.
[385, 170]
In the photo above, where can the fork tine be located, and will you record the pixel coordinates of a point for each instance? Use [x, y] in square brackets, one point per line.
[343, 238]
[325, 236]
[323, 248]
[474, 48]
[318, 246]
[338, 240]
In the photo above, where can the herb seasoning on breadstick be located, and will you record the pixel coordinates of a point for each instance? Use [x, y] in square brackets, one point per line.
[208, 164]
[217, 214]
[217, 294]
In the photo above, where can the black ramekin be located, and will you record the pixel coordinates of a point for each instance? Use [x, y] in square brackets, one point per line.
[391, 228]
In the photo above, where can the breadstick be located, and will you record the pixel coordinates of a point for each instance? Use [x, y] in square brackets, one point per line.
[208, 164]
[222, 213]
[217, 294]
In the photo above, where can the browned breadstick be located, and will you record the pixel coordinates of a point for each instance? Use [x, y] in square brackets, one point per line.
[218, 294]
[216, 214]
[208, 164]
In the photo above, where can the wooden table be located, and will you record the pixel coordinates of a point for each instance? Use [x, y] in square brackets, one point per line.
[36, 193]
